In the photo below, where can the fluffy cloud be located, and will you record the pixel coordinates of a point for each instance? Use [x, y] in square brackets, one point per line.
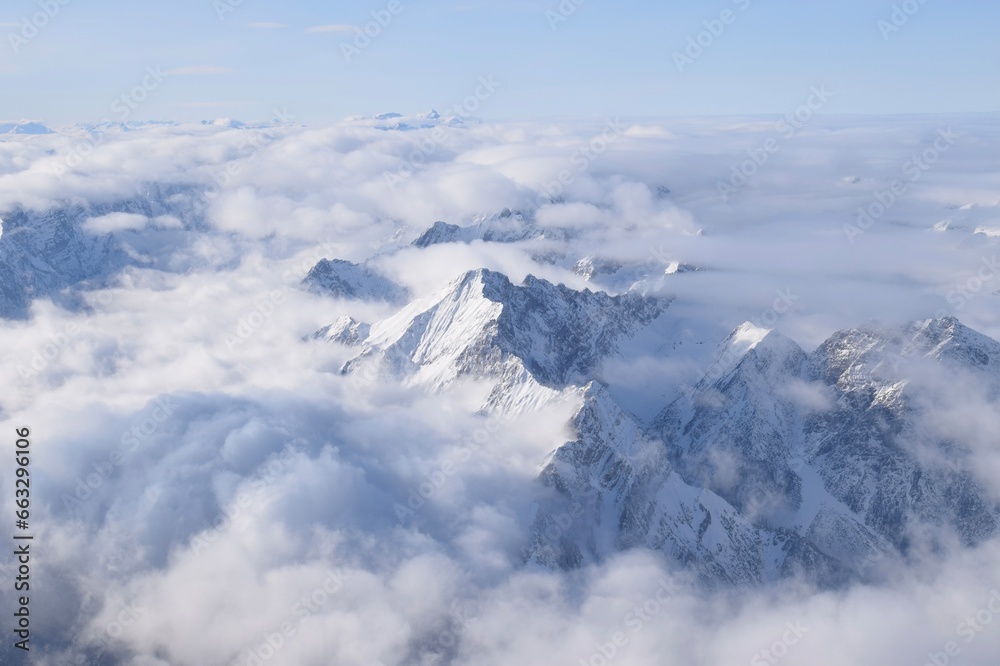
[212, 491]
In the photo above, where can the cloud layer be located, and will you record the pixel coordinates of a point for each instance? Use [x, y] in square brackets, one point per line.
[212, 491]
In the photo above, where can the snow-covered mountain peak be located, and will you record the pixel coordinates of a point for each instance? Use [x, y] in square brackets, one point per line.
[781, 463]
[439, 232]
[29, 127]
[60, 252]
[748, 334]
[507, 226]
[596, 401]
[343, 279]
[868, 357]
[536, 334]
[777, 352]
[346, 331]
[493, 284]
[948, 339]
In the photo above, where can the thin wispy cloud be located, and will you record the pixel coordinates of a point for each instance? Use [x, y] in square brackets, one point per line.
[207, 104]
[200, 70]
[336, 27]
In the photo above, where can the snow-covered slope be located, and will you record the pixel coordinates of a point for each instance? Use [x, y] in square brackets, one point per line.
[54, 253]
[777, 462]
[615, 488]
[533, 340]
[344, 279]
[504, 227]
[740, 434]
[871, 449]
[345, 331]
[24, 127]
[827, 446]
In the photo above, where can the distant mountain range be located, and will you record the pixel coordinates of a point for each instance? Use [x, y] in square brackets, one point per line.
[778, 462]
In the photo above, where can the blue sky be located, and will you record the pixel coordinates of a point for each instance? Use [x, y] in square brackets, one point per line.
[605, 58]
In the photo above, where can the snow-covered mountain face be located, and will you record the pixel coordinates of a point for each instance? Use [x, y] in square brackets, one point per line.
[345, 331]
[343, 279]
[42, 255]
[62, 251]
[778, 462]
[534, 340]
[872, 447]
[504, 227]
[537, 454]
[24, 127]
[557, 244]
[816, 464]
[615, 488]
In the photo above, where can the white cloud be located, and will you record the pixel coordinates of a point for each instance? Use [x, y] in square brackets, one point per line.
[813, 396]
[448, 585]
[335, 27]
[115, 222]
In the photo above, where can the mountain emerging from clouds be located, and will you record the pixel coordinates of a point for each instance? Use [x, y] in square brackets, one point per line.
[44, 254]
[777, 463]
[817, 465]
[344, 279]
[535, 339]
[506, 226]
[62, 252]
[786, 463]
[24, 127]
[523, 405]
